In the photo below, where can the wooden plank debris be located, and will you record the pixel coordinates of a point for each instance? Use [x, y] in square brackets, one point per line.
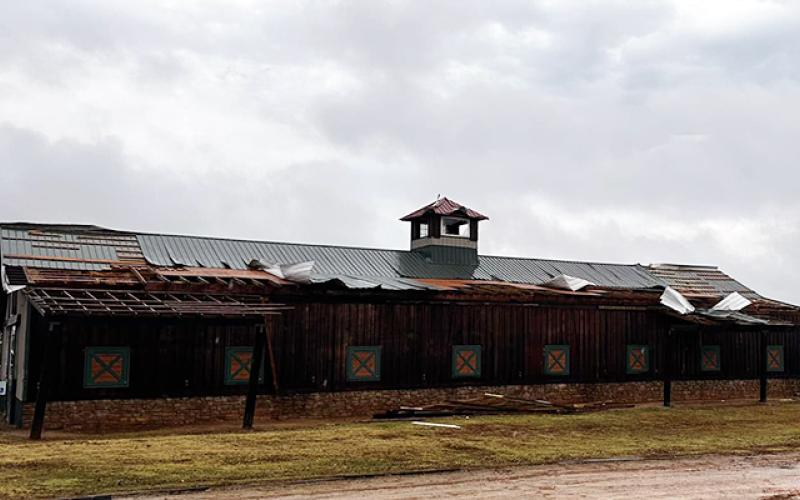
[489, 404]
[431, 424]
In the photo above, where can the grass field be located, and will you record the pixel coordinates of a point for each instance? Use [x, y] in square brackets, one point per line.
[70, 465]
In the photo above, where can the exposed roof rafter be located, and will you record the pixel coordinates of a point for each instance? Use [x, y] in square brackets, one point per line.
[88, 302]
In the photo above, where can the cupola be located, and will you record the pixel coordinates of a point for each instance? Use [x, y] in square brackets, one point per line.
[445, 232]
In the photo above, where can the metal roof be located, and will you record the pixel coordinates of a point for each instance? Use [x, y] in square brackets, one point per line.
[67, 247]
[444, 206]
[706, 281]
[369, 264]
[92, 248]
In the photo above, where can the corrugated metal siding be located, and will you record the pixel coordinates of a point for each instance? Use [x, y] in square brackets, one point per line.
[360, 263]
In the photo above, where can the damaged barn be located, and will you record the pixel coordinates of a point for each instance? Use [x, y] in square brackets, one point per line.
[112, 329]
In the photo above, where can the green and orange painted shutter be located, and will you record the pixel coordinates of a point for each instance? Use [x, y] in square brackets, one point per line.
[466, 361]
[709, 358]
[238, 360]
[556, 359]
[364, 363]
[637, 359]
[106, 367]
[775, 358]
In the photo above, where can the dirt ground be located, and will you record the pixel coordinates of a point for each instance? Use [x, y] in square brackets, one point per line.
[759, 476]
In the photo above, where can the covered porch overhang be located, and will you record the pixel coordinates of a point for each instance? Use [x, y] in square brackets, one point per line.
[55, 303]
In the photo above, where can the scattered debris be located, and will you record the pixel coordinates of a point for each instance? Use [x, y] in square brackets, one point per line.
[489, 404]
[431, 424]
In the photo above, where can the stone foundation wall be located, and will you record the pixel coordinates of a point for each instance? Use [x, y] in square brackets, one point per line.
[122, 414]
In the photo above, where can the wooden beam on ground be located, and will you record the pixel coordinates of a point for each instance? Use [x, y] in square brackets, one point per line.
[255, 369]
[43, 384]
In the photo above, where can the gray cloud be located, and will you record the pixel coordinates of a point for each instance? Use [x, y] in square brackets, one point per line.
[617, 131]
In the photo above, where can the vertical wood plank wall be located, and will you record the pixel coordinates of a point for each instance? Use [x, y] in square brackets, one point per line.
[186, 357]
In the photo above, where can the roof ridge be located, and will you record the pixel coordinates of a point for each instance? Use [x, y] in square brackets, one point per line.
[318, 245]
[349, 247]
[567, 261]
[666, 266]
[274, 242]
[59, 226]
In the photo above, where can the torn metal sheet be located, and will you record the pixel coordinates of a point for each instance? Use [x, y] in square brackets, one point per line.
[299, 272]
[566, 282]
[738, 318]
[675, 301]
[350, 282]
[8, 288]
[733, 302]
[373, 282]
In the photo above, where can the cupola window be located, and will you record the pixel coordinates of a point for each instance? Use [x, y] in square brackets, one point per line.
[455, 226]
[423, 230]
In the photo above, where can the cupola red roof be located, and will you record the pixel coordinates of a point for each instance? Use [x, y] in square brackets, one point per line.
[444, 206]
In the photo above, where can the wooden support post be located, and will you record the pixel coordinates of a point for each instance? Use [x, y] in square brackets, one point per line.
[667, 369]
[255, 369]
[762, 364]
[272, 365]
[43, 384]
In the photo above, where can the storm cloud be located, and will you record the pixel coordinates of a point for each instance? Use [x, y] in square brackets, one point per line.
[648, 131]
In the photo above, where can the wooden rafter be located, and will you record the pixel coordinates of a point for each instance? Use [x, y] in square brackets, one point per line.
[98, 302]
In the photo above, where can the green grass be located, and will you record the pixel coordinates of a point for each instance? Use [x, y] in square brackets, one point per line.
[70, 465]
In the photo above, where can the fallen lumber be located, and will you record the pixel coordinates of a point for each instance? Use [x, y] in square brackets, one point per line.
[431, 424]
[490, 403]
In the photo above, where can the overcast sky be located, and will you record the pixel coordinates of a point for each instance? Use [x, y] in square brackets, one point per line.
[613, 131]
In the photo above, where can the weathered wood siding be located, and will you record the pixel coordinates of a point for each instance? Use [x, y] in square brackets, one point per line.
[186, 357]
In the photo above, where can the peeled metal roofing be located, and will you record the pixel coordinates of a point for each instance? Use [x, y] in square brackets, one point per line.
[67, 247]
[93, 248]
[368, 282]
[700, 280]
[740, 318]
[364, 264]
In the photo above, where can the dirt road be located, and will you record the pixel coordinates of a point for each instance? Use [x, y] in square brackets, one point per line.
[762, 476]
